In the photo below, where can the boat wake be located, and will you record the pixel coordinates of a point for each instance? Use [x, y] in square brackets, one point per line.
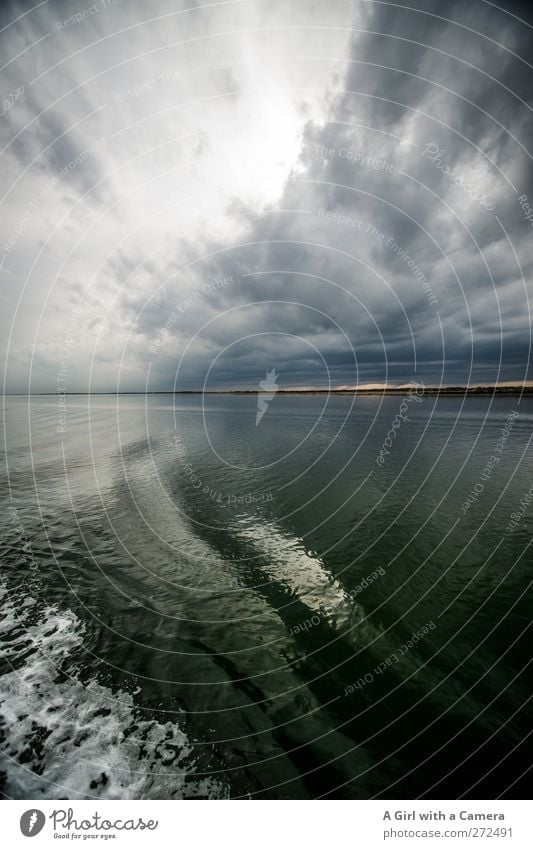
[64, 738]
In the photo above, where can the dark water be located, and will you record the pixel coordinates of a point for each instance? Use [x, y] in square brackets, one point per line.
[194, 605]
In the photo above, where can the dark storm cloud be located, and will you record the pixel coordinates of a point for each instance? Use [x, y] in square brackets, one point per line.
[431, 152]
[400, 237]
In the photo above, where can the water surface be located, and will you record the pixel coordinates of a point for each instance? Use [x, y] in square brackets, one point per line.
[196, 606]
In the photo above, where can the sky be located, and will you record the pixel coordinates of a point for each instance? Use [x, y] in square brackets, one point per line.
[194, 194]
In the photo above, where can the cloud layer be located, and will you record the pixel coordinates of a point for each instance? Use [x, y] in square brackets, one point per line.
[195, 197]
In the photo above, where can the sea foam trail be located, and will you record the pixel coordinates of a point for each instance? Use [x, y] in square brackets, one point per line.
[62, 738]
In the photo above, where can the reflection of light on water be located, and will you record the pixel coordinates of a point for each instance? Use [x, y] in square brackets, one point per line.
[310, 581]
[304, 574]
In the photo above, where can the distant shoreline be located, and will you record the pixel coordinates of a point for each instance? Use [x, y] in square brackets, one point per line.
[454, 391]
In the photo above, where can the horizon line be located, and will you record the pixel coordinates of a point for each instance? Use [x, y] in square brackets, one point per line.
[505, 387]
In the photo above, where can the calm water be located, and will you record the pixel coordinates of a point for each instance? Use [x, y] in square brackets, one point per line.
[194, 605]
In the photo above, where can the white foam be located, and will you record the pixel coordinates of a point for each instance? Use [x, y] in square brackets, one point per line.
[62, 738]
